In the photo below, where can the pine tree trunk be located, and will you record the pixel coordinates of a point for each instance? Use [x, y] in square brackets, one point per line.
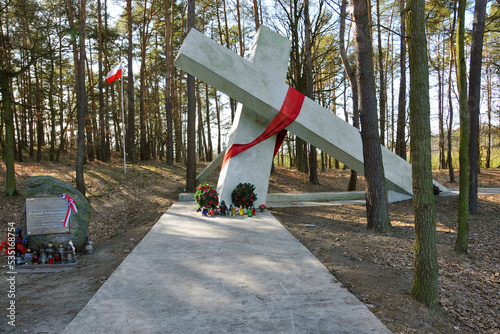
[354, 87]
[489, 100]
[382, 88]
[376, 196]
[144, 143]
[210, 148]
[476, 58]
[52, 111]
[132, 157]
[102, 126]
[82, 101]
[313, 155]
[462, 242]
[39, 116]
[256, 14]
[425, 286]
[61, 104]
[450, 102]
[401, 122]
[191, 116]
[8, 156]
[90, 120]
[168, 84]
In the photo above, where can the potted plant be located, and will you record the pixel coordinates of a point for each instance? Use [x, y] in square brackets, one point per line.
[244, 195]
[262, 207]
[206, 196]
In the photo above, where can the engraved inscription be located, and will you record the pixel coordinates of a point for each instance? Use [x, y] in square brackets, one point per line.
[45, 215]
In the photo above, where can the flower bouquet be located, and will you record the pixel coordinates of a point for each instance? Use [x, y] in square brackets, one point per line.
[244, 195]
[262, 207]
[206, 196]
[436, 190]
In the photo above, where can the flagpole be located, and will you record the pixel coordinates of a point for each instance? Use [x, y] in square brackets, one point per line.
[123, 132]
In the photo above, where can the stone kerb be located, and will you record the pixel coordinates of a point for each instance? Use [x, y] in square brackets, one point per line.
[38, 186]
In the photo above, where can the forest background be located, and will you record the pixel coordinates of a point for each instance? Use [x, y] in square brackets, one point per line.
[39, 42]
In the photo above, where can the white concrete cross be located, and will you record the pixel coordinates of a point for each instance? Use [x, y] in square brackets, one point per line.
[271, 55]
[259, 85]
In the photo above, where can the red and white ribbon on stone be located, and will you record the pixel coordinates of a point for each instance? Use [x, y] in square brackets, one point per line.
[71, 206]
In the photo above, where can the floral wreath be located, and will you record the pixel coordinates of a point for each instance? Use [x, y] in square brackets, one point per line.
[206, 196]
[244, 195]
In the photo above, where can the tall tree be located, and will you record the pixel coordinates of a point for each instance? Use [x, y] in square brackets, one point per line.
[168, 84]
[81, 98]
[382, 88]
[450, 85]
[100, 44]
[145, 35]
[425, 286]
[313, 156]
[489, 107]
[8, 146]
[376, 197]
[401, 120]
[191, 116]
[349, 71]
[132, 156]
[256, 14]
[82, 102]
[476, 58]
[462, 242]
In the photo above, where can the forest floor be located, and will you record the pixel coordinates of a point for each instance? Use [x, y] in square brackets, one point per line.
[377, 268]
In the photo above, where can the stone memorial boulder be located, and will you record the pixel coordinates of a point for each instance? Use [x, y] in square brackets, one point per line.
[48, 186]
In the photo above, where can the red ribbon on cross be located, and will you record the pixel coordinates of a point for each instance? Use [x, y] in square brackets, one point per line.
[71, 206]
[287, 114]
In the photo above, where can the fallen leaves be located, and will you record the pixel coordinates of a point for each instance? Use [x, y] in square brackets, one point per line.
[379, 268]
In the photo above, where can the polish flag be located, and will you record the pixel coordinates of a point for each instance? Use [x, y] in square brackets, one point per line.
[115, 73]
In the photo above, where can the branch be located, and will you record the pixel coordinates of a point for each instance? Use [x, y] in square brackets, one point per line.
[6, 5]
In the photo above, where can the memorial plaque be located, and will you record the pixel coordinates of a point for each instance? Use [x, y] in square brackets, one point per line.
[45, 215]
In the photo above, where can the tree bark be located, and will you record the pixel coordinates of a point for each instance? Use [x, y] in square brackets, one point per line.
[144, 144]
[90, 119]
[313, 155]
[476, 58]
[425, 285]
[102, 126]
[354, 86]
[81, 100]
[256, 15]
[210, 148]
[401, 122]
[168, 84]
[450, 102]
[39, 115]
[52, 109]
[376, 196]
[462, 242]
[191, 116]
[8, 120]
[132, 157]
[382, 88]
[489, 101]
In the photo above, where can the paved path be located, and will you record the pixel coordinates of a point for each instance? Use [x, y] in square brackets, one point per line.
[480, 191]
[194, 274]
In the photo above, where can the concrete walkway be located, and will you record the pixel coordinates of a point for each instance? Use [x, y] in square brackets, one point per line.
[195, 274]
